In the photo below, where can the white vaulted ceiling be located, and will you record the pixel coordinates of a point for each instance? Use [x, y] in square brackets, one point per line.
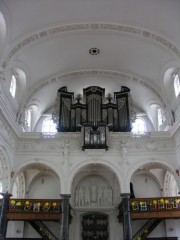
[139, 40]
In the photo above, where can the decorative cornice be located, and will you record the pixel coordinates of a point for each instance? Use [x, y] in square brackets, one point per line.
[51, 32]
[116, 141]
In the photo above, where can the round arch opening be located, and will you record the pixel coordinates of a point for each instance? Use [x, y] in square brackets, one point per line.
[37, 181]
[95, 186]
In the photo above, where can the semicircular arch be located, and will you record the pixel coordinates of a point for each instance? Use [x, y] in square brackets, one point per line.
[48, 166]
[104, 163]
[148, 163]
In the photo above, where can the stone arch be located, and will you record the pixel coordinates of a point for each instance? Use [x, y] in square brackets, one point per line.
[148, 164]
[107, 186]
[105, 163]
[171, 181]
[5, 27]
[42, 178]
[58, 78]
[51, 82]
[46, 166]
[4, 169]
[18, 188]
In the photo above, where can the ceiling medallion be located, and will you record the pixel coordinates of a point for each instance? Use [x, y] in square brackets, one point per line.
[94, 51]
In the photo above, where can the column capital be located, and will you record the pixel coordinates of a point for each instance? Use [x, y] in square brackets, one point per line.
[125, 195]
[6, 195]
[65, 196]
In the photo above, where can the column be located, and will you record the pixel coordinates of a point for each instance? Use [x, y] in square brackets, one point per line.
[127, 228]
[3, 219]
[64, 234]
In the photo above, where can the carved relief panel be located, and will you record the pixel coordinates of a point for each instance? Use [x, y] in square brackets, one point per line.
[93, 191]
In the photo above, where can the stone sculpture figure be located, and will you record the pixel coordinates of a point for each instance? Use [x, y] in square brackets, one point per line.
[87, 196]
[93, 192]
[77, 197]
[81, 196]
[110, 196]
[106, 201]
[100, 196]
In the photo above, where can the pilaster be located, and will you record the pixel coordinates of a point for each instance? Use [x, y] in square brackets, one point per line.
[64, 234]
[3, 219]
[127, 228]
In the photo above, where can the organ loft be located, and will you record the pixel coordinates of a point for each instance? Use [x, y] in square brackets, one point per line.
[93, 114]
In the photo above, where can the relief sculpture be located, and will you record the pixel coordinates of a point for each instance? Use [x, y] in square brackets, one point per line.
[86, 196]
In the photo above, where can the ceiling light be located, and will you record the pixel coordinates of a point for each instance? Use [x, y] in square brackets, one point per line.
[94, 51]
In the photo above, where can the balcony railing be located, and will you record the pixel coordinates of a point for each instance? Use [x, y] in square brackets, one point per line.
[35, 205]
[155, 204]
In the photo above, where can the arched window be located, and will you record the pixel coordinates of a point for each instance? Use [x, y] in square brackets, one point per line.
[49, 126]
[13, 86]
[176, 84]
[160, 116]
[28, 117]
[161, 119]
[139, 126]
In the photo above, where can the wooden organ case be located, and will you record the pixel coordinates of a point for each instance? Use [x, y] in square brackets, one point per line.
[94, 114]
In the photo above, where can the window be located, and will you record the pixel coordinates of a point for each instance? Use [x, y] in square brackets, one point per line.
[49, 126]
[176, 84]
[13, 86]
[160, 116]
[28, 117]
[139, 126]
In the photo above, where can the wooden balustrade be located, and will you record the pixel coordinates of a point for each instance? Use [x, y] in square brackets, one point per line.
[34, 209]
[50, 209]
[163, 207]
[35, 205]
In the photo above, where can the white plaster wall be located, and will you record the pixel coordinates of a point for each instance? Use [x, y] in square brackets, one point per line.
[145, 186]
[177, 224]
[15, 229]
[172, 228]
[120, 165]
[45, 187]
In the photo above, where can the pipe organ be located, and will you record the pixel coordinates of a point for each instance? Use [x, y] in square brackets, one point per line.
[93, 113]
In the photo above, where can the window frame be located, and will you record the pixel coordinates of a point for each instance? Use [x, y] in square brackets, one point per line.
[13, 85]
[139, 126]
[176, 79]
[50, 126]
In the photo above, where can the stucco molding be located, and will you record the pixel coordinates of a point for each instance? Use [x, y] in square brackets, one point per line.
[59, 77]
[109, 27]
[116, 143]
[5, 169]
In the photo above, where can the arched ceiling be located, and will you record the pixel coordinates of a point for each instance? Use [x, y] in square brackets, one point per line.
[50, 41]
